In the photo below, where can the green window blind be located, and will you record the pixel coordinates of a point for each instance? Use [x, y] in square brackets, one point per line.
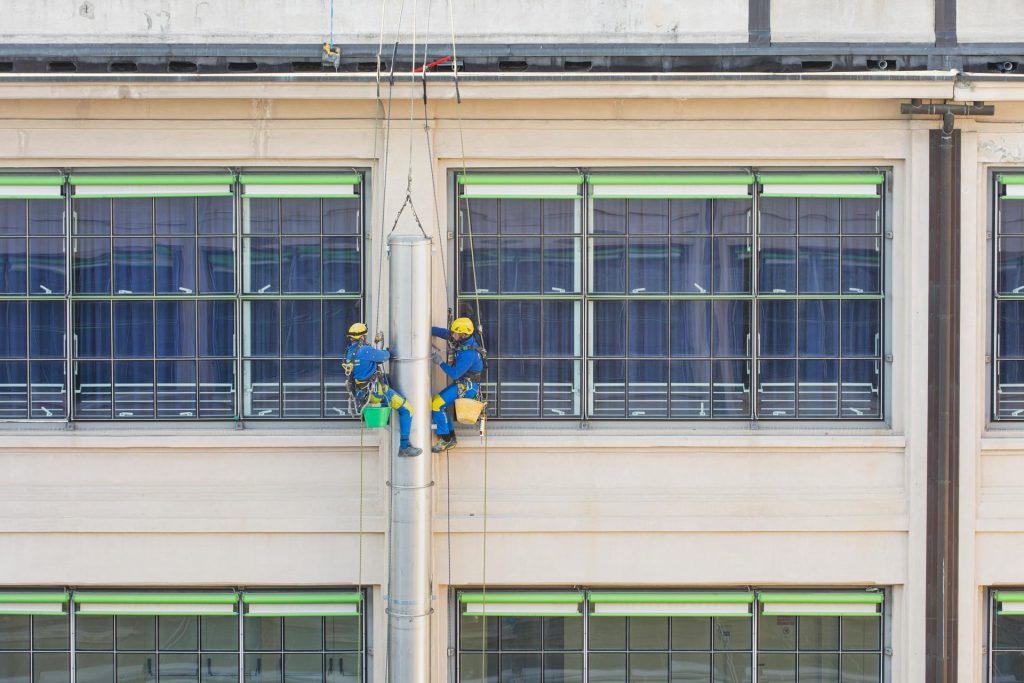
[156, 603]
[50, 602]
[521, 604]
[1012, 187]
[670, 186]
[670, 604]
[312, 185]
[843, 185]
[302, 604]
[520, 186]
[184, 185]
[832, 604]
[31, 186]
[1010, 602]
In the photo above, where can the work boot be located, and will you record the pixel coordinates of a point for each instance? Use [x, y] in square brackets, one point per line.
[447, 441]
[409, 452]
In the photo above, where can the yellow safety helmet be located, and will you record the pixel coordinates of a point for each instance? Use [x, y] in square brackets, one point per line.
[462, 326]
[357, 330]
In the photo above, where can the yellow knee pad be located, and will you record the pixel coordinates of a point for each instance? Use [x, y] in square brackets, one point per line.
[397, 402]
[437, 404]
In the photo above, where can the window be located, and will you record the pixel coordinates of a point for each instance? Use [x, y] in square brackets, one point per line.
[35, 637]
[1006, 635]
[32, 307]
[1008, 288]
[716, 296]
[611, 637]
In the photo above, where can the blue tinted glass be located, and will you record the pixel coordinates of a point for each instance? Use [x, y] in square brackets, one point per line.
[559, 216]
[861, 328]
[264, 388]
[860, 216]
[47, 320]
[520, 328]
[479, 216]
[860, 393]
[691, 328]
[216, 265]
[341, 217]
[92, 389]
[609, 217]
[691, 389]
[607, 318]
[647, 216]
[133, 389]
[92, 217]
[819, 264]
[487, 323]
[731, 328]
[13, 390]
[177, 391]
[175, 265]
[92, 266]
[300, 216]
[263, 216]
[520, 217]
[300, 265]
[608, 388]
[175, 329]
[216, 215]
[819, 216]
[49, 389]
[519, 389]
[301, 386]
[560, 265]
[777, 266]
[133, 329]
[1011, 217]
[45, 217]
[216, 388]
[561, 388]
[261, 274]
[778, 215]
[483, 252]
[730, 388]
[133, 216]
[13, 217]
[1010, 265]
[175, 215]
[608, 266]
[560, 328]
[1009, 388]
[862, 265]
[133, 265]
[46, 265]
[92, 329]
[341, 264]
[648, 328]
[648, 265]
[300, 328]
[819, 388]
[689, 216]
[217, 328]
[691, 265]
[520, 265]
[14, 323]
[777, 331]
[338, 315]
[263, 326]
[819, 328]
[647, 391]
[731, 216]
[776, 391]
[1010, 329]
[13, 265]
[732, 265]
[335, 398]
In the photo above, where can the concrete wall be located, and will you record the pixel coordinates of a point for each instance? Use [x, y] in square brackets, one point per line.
[989, 21]
[825, 21]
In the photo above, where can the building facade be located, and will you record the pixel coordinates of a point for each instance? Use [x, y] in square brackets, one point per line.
[703, 246]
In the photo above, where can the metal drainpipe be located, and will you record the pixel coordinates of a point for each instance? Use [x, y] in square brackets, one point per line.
[409, 600]
[943, 407]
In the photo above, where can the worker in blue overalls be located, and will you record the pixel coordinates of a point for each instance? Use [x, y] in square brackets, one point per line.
[465, 374]
[368, 383]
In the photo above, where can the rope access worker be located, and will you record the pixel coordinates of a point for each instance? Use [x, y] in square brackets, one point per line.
[368, 383]
[465, 373]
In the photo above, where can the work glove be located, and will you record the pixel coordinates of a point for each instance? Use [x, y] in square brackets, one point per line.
[436, 357]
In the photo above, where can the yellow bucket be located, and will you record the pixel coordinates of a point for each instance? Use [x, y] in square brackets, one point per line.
[467, 410]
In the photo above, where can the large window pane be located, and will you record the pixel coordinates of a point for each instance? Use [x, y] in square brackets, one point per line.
[46, 265]
[175, 265]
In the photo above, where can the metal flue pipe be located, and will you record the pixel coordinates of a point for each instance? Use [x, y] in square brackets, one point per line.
[409, 599]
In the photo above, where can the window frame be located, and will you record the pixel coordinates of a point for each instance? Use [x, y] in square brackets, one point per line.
[462, 302]
[995, 298]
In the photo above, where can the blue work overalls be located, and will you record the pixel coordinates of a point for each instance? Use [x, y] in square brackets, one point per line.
[468, 361]
[372, 387]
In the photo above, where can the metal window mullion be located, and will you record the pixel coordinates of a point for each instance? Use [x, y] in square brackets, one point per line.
[755, 653]
[237, 205]
[66, 224]
[753, 360]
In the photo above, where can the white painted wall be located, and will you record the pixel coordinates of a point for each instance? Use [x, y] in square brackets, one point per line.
[989, 21]
[825, 21]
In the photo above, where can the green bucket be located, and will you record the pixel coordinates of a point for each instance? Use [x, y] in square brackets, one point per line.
[376, 417]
